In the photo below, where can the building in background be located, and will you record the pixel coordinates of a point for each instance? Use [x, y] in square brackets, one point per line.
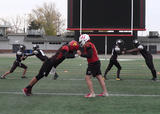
[10, 42]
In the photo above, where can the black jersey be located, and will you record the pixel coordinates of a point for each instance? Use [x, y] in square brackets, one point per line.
[19, 55]
[39, 54]
[143, 51]
[115, 52]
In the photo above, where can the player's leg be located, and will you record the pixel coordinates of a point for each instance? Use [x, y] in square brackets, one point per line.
[25, 70]
[90, 86]
[54, 74]
[118, 69]
[14, 66]
[150, 65]
[96, 72]
[108, 69]
[103, 86]
[28, 89]
[89, 83]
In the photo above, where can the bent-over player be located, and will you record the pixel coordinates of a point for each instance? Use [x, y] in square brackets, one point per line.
[147, 56]
[66, 51]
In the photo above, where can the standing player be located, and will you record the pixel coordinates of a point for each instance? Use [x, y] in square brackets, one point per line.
[40, 55]
[147, 56]
[66, 51]
[17, 63]
[94, 65]
[113, 60]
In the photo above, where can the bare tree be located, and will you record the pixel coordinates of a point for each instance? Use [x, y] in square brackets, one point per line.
[17, 23]
[49, 18]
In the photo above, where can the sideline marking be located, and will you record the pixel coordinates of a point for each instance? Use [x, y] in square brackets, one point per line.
[81, 94]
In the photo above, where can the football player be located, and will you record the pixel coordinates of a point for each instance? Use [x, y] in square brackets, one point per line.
[117, 50]
[40, 55]
[66, 51]
[90, 52]
[20, 56]
[147, 56]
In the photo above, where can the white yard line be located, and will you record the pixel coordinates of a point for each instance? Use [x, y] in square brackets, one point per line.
[80, 94]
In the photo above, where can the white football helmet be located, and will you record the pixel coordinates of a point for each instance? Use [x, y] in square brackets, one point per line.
[83, 39]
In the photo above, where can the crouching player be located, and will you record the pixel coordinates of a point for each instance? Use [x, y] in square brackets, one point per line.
[90, 52]
[66, 51]
[20, 56]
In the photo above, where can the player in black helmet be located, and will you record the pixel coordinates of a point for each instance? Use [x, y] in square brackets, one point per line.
[117, 49]
[147, 56]
[66, 51]
[41, 55]
[20, 56]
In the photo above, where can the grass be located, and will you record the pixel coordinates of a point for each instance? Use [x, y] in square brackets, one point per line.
[136, 81]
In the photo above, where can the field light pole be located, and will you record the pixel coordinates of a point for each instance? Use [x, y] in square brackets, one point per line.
[81, 14]
[132, 19]
[105, 47]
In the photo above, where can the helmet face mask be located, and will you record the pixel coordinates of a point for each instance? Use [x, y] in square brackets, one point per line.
[83, 39]
[35, 47]
[22, 47]
[136, 43]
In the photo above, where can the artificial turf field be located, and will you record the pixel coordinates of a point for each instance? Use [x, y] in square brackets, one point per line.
[135, 94]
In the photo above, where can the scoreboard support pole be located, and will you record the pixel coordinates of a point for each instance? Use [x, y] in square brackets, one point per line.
[105, 47]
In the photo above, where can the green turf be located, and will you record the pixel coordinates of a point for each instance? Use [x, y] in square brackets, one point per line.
[136, 81]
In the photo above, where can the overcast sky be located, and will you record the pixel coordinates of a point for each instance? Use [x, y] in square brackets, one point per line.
[9, 8]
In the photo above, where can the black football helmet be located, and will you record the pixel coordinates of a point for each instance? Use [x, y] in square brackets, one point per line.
[136, 43]
[119, 42]
[35, 47]
[22, 47]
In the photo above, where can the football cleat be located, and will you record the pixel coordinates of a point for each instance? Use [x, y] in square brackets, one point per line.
[2, 77]
[89, 95]
[154, 79]
[103, 94]
[23, 77]
[55, 76]
[26, 92]
[104, 78]
[118, 79]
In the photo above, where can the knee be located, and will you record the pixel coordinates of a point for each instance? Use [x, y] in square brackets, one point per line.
[120, 68]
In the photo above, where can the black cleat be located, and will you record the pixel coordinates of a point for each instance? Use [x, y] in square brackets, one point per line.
[2, 77]
[23, 77]
[55, 76]
[104, 78]
[154, 79]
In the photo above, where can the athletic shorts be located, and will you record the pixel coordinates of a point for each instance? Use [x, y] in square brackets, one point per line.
[17, 64]
[94, 69]
[45, 69]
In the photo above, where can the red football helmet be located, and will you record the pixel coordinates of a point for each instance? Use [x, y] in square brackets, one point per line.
[73, 45]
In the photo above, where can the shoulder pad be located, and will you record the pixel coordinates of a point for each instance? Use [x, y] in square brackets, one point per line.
[140, 47]
[19, 53]
[35, 52]
[117, 48]
[65, 47]
[88, 45]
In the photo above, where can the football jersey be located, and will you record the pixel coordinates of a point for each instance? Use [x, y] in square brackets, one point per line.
[115, 52]
[19, 55]
[61, 55]
[94, 56]
[40, 54]
[143, 51]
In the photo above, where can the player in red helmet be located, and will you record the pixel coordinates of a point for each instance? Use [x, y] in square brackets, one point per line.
[94, 65]
[65, 51]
